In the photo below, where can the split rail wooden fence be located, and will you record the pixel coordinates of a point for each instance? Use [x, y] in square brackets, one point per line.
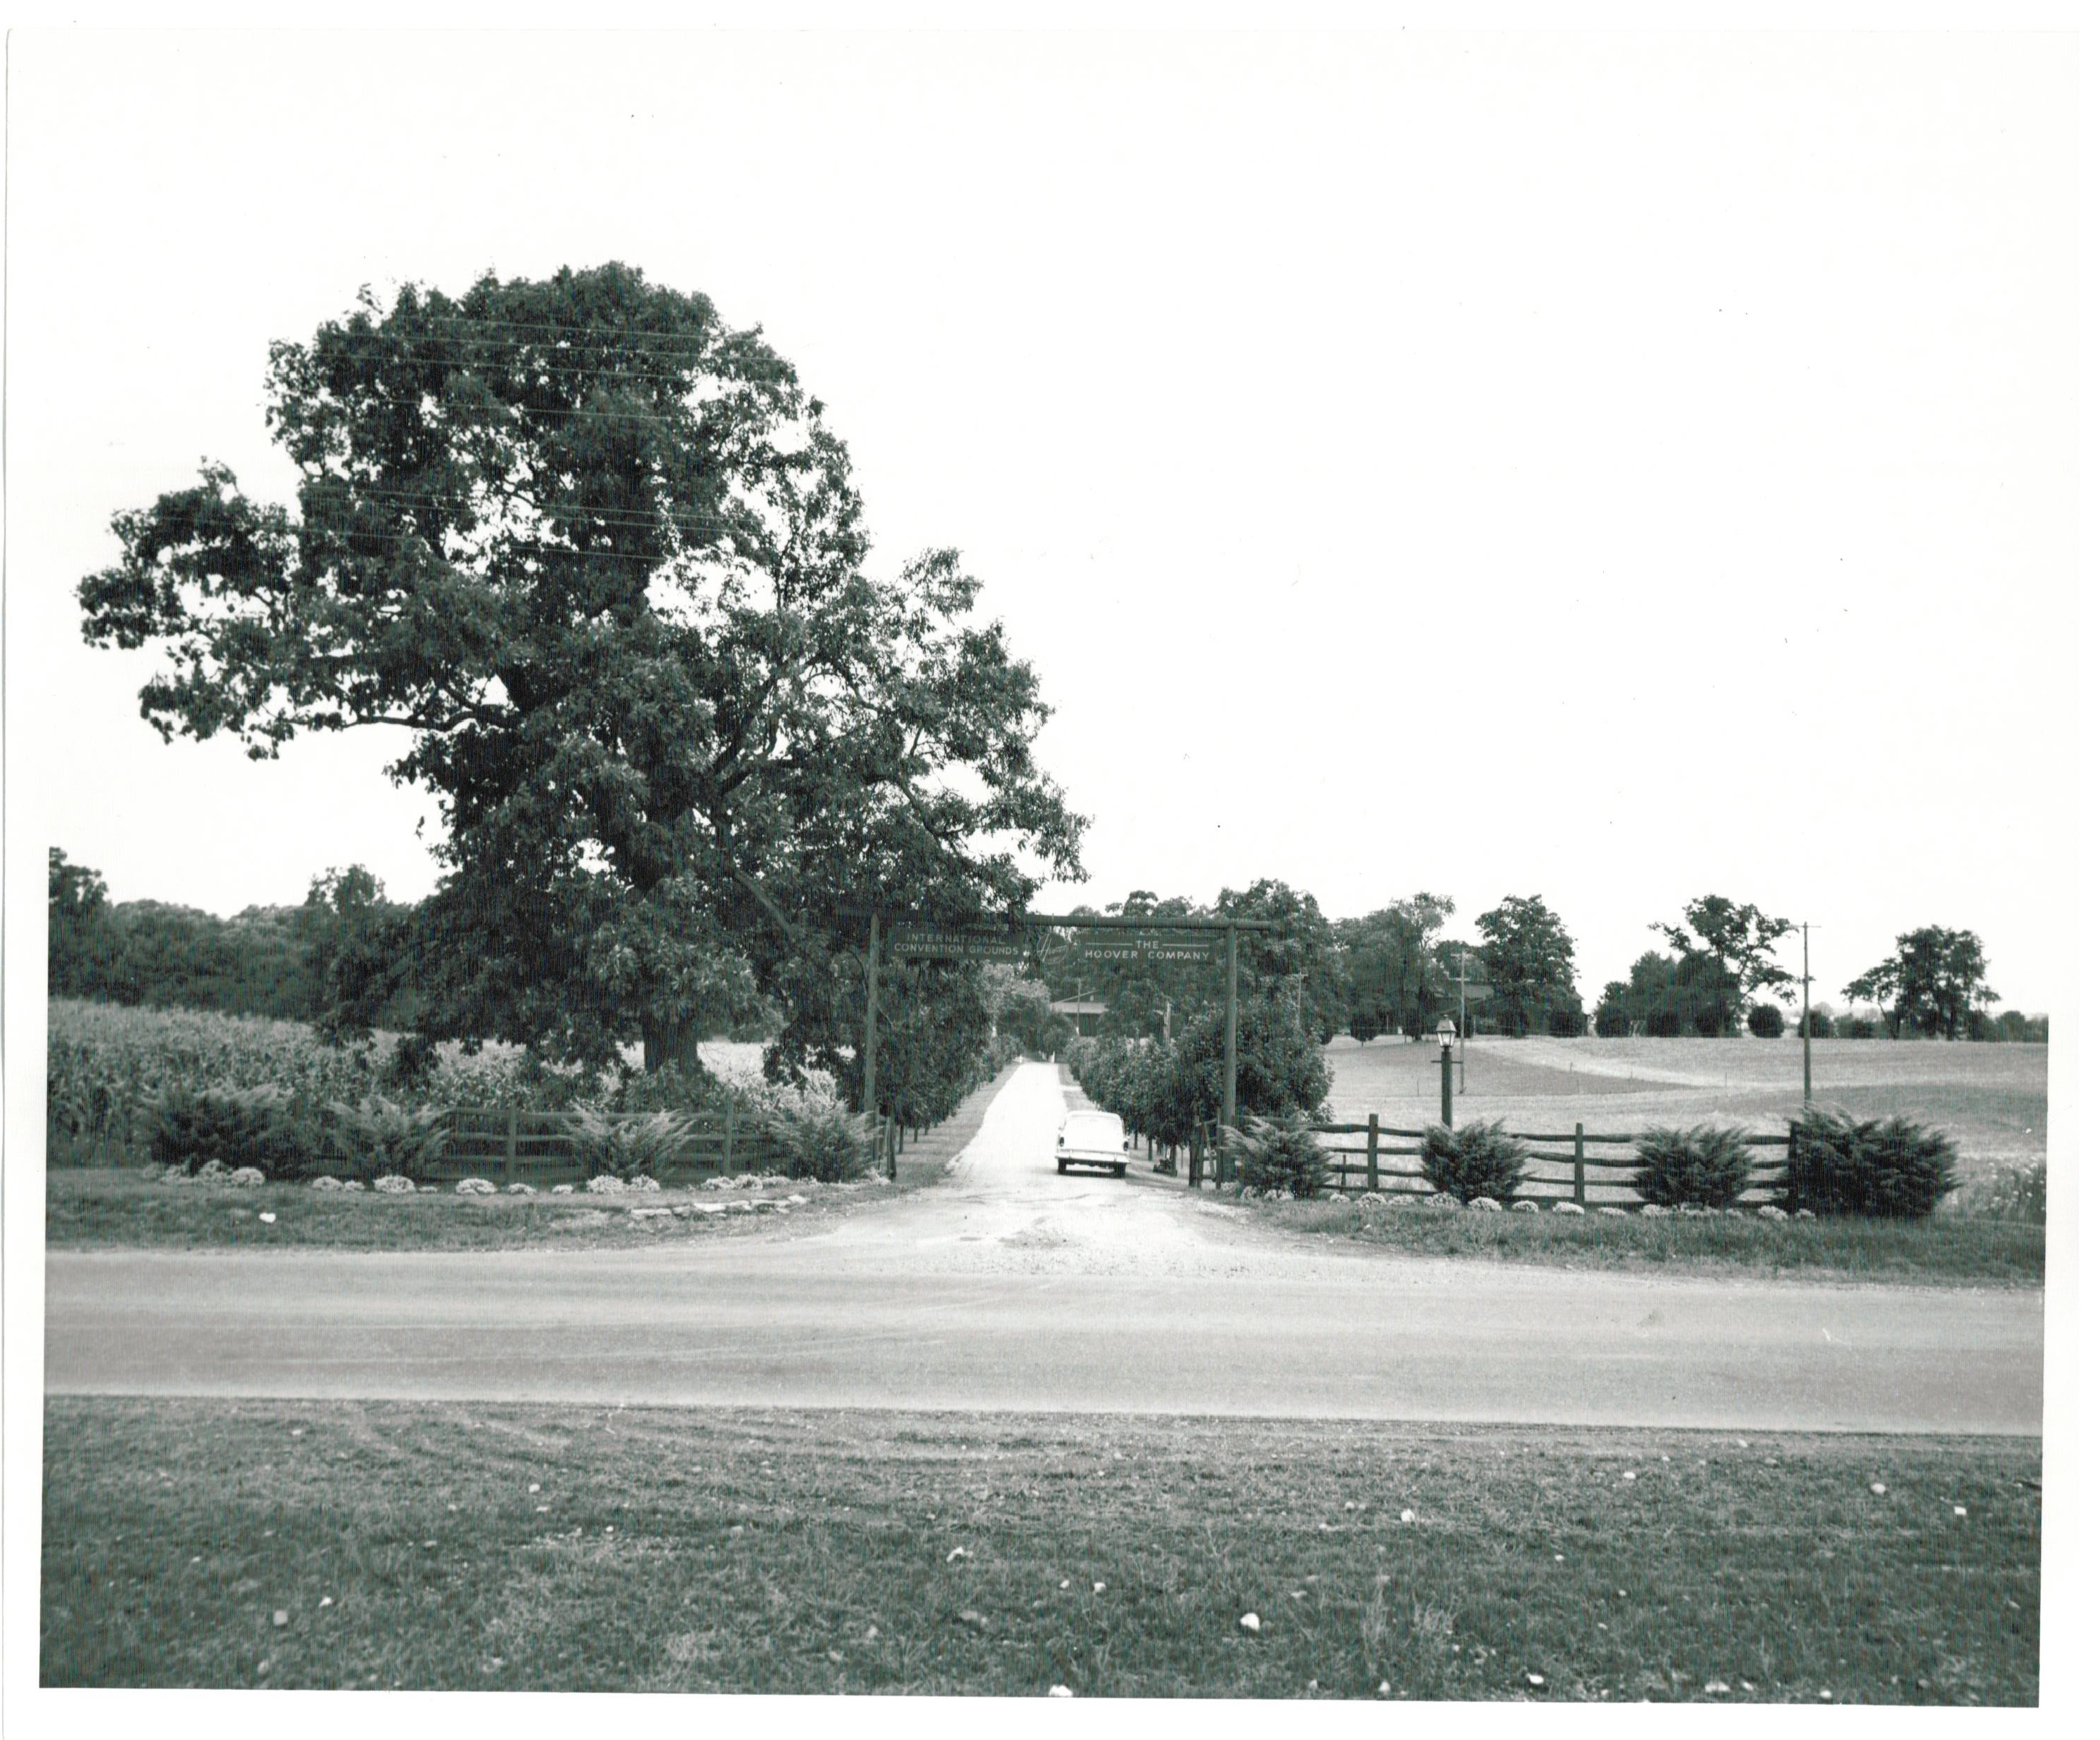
[1560, 1167]
[505, 1145]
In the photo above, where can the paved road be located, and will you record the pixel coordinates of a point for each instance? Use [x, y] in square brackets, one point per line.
[1010, 1287]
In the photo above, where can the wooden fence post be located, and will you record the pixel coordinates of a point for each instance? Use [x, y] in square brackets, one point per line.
[1578, 1163]
[1371, 1157]
[729, 1140]
[509, 1144]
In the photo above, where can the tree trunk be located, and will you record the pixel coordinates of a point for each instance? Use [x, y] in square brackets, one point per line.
[670, 1042]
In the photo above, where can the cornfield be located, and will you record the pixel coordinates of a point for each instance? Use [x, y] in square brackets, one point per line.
[107, 1067]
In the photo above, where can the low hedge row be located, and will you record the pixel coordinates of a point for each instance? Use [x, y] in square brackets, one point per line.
[290, 1136]
[1837, 1165]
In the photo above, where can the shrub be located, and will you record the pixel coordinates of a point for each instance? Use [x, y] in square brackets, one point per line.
[629, 1146]
[2018, 1193]
[1612, 1022]
[1819, 1026]
[1860, 1027]
[1766, 1022]
[1479, 1159]
[379, 1137]
[1281, 1154]
[1884, 1167]
[824, 1141]
[1665, 1023]
[1705, 1167]
[277, 1132]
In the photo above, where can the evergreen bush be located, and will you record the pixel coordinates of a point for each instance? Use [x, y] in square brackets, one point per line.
[823, 1140]
[1766, 1022]
[279, 1133]
[1705, 1167]
[636, 1145]
[1888, 1168]
[1478, 1160]
[1278, 1154]
[376, 1137]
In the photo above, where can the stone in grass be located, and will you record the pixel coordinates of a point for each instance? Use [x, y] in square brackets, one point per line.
[325, 1182]
[1803, 1214]
[474, 1187]
[643, 1181]
[245, 1177]
[519, 1190]
[1609, 1210]
[1440, 1199]
[393, 1184]
[605, 1184]
[214, 1172]
[1250, 1624]
[1770, 1213]
[1651, 1210]
[1485, 1205]
[1524, 1208]
[1370, 1199]
[642, 1213]
[1567, 1207]
[562, 1190]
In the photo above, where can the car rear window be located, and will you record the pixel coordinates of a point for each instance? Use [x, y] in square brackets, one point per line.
[1097, 1127]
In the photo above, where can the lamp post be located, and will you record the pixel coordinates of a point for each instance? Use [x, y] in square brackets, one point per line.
[1445, 1032]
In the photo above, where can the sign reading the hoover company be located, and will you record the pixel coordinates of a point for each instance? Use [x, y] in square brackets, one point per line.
[1143, 950]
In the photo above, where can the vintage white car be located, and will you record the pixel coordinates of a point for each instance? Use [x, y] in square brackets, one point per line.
[1092, 1138]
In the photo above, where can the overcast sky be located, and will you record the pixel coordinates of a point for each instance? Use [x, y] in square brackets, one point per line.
[1613, 469]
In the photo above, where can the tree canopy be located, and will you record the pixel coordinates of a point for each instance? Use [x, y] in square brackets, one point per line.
[1933, 985]
[1729, 948]
[1394, 980]
[599, 554]
[1528, 959]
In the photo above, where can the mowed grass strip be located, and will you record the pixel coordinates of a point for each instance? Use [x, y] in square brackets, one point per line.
[1949, 1250]
[776, 1551]
[91, 1209]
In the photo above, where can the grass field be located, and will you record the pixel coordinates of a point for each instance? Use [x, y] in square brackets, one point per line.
[405, 1545]
[1993, 1099]
[1950, 1250]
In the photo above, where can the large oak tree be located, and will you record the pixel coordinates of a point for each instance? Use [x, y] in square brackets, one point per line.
[600, 555]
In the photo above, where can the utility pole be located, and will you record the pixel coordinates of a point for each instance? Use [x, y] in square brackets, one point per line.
[867, 1044]
[1465, 1020]
[1807, 1024]
[1229, 1107]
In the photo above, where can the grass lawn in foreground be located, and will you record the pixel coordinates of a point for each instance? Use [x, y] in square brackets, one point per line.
[1947, 1249]
[514, 1546]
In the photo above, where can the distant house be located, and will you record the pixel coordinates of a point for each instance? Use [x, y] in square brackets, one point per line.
[1082, 1013]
